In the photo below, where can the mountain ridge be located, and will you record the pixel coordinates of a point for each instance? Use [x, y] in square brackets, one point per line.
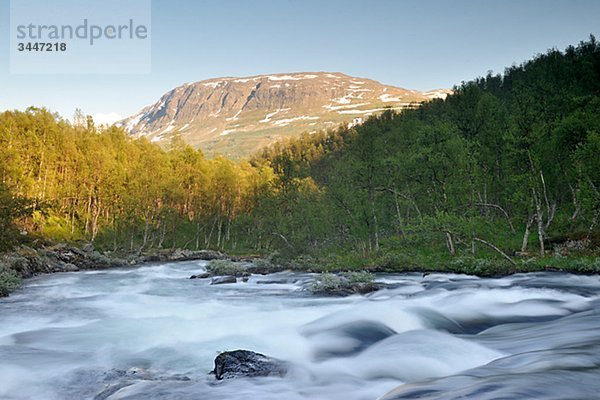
[236, 116]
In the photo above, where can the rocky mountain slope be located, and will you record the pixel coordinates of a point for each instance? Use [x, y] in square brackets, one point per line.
[237, 116]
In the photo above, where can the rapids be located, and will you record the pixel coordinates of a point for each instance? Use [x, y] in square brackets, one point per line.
[443, 336]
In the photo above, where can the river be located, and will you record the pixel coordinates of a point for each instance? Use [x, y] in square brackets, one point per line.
[152, 333]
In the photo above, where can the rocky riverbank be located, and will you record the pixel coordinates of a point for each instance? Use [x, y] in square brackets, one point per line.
[26, 262]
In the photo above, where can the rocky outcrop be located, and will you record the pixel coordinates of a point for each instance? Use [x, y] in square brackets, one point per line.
[28, 262]
[186, 255]
[178, 255]
[247, 364]
[70, 258]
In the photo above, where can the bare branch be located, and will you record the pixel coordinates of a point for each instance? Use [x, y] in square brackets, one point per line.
[503, 254]
[497, 207]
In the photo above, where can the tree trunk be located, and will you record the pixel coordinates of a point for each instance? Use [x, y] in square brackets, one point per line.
[576, 206]
[219, 228]
[163, 234]
[146, 230]
[450, 243]
[375, 225]
[540, 222]
[526, 234]
[398, 214]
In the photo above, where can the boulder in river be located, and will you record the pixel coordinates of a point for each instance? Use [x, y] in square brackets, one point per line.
[344, 284]
[276, 281]
[219, 280]
[200, 276]
[245, 364]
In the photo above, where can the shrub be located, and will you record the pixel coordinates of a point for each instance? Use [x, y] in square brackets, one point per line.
[354, 277]
[327, 282]
[225, 267]
[344, 284]
[587, 266]
[480, 266]
[304, 263]
[9, 280]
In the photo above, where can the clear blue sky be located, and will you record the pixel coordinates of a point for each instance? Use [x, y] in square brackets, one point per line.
[412, 44]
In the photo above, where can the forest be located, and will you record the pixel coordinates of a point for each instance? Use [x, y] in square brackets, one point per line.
[502, 175]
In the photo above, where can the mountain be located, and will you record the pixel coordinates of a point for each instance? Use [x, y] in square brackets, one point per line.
[237, 116]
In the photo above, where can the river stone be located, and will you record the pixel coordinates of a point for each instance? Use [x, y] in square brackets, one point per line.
[219, 280]
[201, 276]
[275, 281]
[70, 267]
[245, 363]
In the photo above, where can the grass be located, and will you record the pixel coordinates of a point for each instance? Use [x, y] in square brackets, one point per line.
[437, 259]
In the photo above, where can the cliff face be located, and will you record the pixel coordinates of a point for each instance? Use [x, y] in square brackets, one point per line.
[237, 116]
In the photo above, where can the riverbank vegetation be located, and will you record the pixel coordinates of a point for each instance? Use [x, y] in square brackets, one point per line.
[502, 176]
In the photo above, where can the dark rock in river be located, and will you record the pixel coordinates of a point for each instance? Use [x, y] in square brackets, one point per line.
[276, 281]
[245, 364]
[219, 280]
[201, 276]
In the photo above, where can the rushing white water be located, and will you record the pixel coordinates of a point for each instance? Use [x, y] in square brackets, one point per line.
[135, 334]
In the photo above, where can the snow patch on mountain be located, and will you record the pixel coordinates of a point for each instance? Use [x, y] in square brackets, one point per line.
[235, 117]
[287, 121]
[386, 98]
[226, 132]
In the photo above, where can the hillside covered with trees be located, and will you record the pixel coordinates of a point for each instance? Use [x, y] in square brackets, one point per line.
[504, 173]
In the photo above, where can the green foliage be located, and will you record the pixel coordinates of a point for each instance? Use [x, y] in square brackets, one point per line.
[271, 264]
[498, 167]
[305, 263]
[11, 209]
[463, 184]
[9, 280]
[80, 182]
[354, 277]
[480, 266]
[577, 265]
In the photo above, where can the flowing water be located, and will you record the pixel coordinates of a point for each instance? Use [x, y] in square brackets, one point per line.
[151, 333]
